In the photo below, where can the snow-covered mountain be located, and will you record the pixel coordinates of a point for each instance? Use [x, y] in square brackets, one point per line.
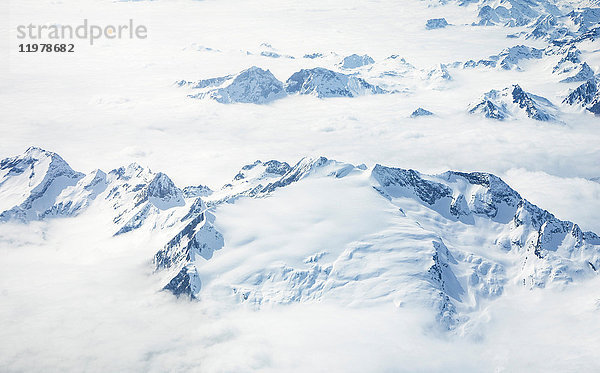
[354, 60]
[30, 183]
[259, 86]
[76, 198]
[251, 180]
[196, 191]
[513, 102]
[151, 195]
[327, 83]
[393, 66]
[546, 245]
[566, 60]
[410, 261]
[424, 253]
[514, 12]
[439, 75]
[39, 184]
[576, 25]
[570, 65]
[547, 27]
[253, 85]
[420, 112]
[395, 75]
[436, 23]
[584, 19]
[176, 260]
[508, 59]
[586, 95]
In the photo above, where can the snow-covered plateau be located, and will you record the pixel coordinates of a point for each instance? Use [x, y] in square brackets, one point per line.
[267, 186]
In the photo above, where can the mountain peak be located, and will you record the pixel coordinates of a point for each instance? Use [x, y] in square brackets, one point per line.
[322, 83]
[513, 101]
[31, 182]
[259, 169]
[161, 192]
[436, 23]
[34, 154]
[33, 151]
[253, 85]
[133, 171]
[587, 95]
[420, 112]
[354, 61]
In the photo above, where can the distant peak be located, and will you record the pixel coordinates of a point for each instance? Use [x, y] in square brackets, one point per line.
[354, 60]
[256, 70]
[419, 112]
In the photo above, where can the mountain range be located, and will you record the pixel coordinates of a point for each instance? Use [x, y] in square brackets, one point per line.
[449, 241]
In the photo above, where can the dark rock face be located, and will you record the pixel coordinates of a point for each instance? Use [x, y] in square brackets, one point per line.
[570, 64]
[570, 54]
[199, 238]
[498, 192]
[592, 35]
[495, 196]
[526, 102]
[428, 191]
[167, 257]
[441, 274]
[180, 285]
[586, 95]
[489, 110]
[197, 208]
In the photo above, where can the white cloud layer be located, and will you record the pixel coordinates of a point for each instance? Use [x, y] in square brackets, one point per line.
[72, 303]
